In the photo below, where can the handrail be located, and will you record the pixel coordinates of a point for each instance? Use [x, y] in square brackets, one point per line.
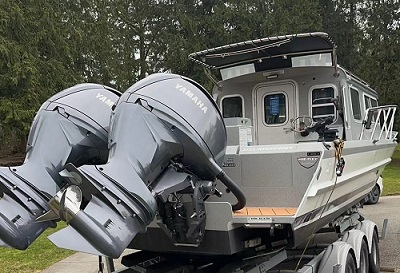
[382, 116]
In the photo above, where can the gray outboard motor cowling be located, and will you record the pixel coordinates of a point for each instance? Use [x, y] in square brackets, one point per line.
[70, 127]
[190, 105]
[166, 135]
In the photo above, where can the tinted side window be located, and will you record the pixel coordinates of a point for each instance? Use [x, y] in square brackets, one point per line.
[374, 103]
[232, 107]
[275, 108]
[370, 102]
[367, 102]
[355, 103]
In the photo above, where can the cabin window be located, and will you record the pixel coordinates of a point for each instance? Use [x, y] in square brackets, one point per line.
[370, 102]
[232, 107]
[275, 108]
[367, 102]
[321, 103]
[236, 71]
[355, 104]
[322, 59]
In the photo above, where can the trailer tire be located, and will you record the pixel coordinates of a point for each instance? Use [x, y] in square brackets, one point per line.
[374, 256]
[351, 266]
[364, 258]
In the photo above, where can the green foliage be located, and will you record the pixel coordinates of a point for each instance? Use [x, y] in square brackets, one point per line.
[380, 49]
[34, 62]
[342, 22]
[48, 45]
[299, 16]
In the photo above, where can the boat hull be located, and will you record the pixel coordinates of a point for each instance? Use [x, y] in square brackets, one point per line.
[326, 198]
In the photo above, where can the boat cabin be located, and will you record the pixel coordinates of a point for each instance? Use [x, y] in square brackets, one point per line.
[272, 88]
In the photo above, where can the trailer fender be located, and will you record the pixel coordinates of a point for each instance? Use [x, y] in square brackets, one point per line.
[336, 254]
[368, 227]
[355, 238]
[371, 231]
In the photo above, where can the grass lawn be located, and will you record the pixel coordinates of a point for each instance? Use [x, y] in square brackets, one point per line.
[391, 175]
[39, 256]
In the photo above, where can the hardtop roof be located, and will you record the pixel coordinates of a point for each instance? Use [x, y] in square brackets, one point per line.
[265, 48]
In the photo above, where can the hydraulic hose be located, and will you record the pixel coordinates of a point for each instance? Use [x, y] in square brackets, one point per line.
[234, 188]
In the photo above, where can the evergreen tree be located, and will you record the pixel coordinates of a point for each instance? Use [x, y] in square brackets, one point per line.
[291, 17]
[342, 21]
[34, 62]
[381, 50]
[48, 45]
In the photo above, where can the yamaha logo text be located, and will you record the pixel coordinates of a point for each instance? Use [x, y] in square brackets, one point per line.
[191, 96]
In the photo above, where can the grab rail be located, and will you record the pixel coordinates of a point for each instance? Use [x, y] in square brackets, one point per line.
[382, 116]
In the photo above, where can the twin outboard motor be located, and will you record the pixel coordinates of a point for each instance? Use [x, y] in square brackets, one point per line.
[166, 144]
[70, 127]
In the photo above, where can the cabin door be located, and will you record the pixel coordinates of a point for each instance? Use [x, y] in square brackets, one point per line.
[275, 108]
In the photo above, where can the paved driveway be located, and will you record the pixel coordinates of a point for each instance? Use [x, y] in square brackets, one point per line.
[387, 208]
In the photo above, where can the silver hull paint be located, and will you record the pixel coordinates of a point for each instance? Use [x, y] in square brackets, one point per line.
[326, 198]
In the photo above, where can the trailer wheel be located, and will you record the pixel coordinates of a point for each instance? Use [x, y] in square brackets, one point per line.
[374, 256]
[351, 266]
[364, 259]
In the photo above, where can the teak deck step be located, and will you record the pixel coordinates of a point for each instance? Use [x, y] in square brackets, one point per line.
[262, 211]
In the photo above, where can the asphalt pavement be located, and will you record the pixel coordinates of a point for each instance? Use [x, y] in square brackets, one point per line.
[83, 263]
[387, 208]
